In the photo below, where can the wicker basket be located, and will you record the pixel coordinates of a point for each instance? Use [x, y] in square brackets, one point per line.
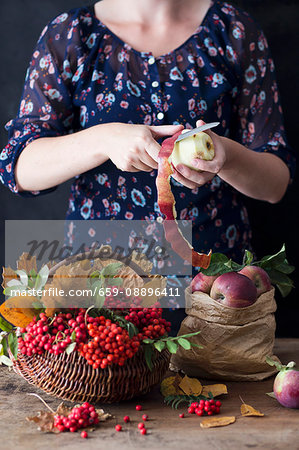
[70, 377]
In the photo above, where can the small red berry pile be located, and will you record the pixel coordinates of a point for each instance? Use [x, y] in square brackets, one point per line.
[149, 322]
[111, 344]
[52, 334]
[80, 417]
[205, 407]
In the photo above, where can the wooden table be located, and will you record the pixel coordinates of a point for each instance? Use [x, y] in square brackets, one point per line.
[277, 430]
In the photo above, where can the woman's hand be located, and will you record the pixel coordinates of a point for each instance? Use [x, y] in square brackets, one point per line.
[208, 169]
[133, 148]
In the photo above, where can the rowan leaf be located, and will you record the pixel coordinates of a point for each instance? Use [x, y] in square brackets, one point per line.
[217, 422]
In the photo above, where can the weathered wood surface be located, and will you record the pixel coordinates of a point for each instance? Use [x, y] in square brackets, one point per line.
[278, 429]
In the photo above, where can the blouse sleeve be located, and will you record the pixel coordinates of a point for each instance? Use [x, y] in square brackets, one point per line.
[46, 108]
[257, 115]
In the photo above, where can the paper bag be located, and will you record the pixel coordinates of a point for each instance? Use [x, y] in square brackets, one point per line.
[235, 341]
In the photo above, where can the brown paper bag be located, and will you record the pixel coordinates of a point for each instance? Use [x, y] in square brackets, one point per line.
[235, 341]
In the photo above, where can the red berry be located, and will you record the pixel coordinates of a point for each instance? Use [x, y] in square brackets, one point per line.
[143, 431]
[84, 434]
[182, 415]
[210, 413]
[126, 419]
[141, 425]
[145, 417]
[138, 408]
[118, 427]
[218, 403]
[217, 410]
[191, 410]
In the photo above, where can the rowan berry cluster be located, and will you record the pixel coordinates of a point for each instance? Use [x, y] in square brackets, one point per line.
[110, 344]
[121, 301]
[80, 417]
[53, 334]
[205, 407]
[149, 321]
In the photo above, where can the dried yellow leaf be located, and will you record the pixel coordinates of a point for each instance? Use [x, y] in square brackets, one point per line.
[170, 386]
[191, 386]
[247, 410]
[156, 284]
[215, 389]
[217, 422]
[27, 262]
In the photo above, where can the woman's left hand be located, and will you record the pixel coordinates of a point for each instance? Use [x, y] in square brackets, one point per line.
[208, 169]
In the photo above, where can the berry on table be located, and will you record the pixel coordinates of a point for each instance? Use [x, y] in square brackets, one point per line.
[118, 427]
[138, 408]
[141, 425]
[182, 415]
[84, 434]
[145, 417]
[143, 431]
[126, 419]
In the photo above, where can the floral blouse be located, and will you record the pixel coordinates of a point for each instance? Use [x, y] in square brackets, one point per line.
[82, 74]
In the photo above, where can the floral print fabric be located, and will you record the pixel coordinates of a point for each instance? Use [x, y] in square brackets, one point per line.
[81, 74]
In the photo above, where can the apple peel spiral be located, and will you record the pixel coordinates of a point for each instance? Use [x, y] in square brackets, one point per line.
[166, 201]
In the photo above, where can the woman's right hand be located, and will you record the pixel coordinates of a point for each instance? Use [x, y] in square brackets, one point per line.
[133, 148]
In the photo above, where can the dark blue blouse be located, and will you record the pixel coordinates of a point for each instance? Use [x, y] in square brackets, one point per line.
[81, 74]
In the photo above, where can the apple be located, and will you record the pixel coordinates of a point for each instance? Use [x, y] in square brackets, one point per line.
[202, 282]
[259, 277]
[286, 384]
[199, 145]
[234, 289]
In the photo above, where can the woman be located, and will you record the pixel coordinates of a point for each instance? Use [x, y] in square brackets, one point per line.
[106, 83]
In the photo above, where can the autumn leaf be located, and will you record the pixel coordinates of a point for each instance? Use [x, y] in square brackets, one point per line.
[170, 386]
[217, 422]
[155, 285]
[8, 274]
[191, 386]
[44, 421]
[27, 262]
[18, 310]
[247, 411]
[214, 389]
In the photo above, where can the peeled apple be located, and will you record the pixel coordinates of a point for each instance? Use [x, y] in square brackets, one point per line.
[199, 145]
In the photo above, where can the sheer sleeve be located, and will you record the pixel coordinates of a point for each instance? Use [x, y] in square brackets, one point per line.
[46, 108]
[257, 115]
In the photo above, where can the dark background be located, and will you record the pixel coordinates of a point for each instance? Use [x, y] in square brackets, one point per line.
[21, 23]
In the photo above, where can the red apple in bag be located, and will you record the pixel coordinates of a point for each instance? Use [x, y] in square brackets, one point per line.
[259, 277]
[202, 282]
[234, 289]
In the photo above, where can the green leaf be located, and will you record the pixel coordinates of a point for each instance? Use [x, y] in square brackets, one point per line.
[172, 346]
[13, 344]
[70, 348]
[115, 281]
[5, 360]
[148, 341]
[184, 343]
[132, 329]
[272, 363]
[276, 259]
[23, 277]
[248, 258]
[285, 267]
[37, 305]
[148, 354]
[73, 336]
[111, 269]
[4, 325]
[32, 273]
[12, 290]
[159, 345]
[42, 278]
[99, 300]
[271, 394]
